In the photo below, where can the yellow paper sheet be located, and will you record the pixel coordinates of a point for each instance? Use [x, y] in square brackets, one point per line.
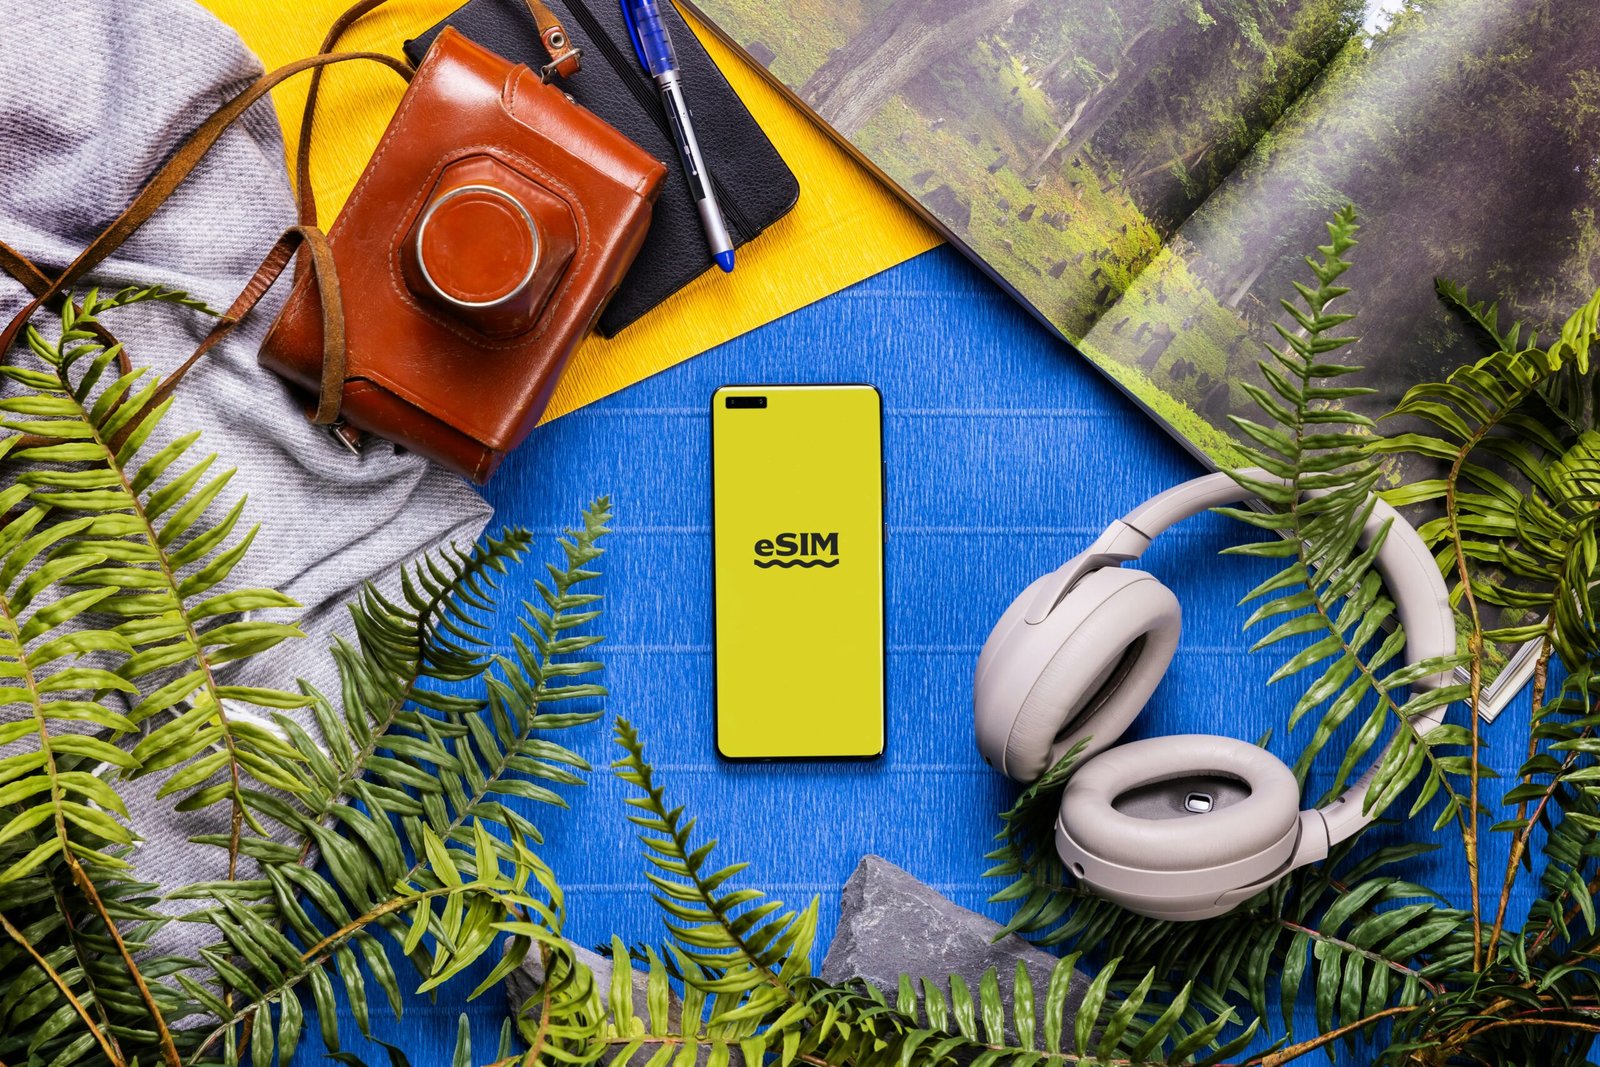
[846, 227]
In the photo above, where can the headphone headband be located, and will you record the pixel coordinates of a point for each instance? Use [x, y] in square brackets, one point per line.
[1421, 598]
[1422, 604]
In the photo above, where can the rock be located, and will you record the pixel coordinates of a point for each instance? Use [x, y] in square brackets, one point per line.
[523, 982]
[1217, 401]
[761, 52]
[950, 207]
[891, 924]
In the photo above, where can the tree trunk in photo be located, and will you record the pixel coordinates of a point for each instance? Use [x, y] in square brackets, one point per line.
[1042, 75]
[1244, 286]
[1188, 159]
[1061, 135]
[902, 42]
[1116, 87]
[1101, 108]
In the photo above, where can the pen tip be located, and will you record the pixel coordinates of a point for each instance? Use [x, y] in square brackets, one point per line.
[725, 261]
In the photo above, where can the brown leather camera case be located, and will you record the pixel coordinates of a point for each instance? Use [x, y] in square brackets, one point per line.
[493, 223]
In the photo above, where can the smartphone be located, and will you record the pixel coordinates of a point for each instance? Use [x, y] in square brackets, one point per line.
[797, 523]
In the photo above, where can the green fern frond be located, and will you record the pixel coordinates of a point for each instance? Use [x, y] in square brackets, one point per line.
[1333, 908]
[143, 548]
[468, 901]
[407, 733]
[743, 963]
[462, 1056]
[57, 799]
[1559, 792]
[111, 539]
[1320, 499]
[412, 864]
[739, 942]
[1518, 529]
[1518, 494]
[1482, 317]
[945, 1022]
[48, 918]
[431, 768]
[1027, 856]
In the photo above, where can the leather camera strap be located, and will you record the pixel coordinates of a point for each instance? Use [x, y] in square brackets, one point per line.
[155, 193]
[23, 269]
[320, 257]
[564, 60]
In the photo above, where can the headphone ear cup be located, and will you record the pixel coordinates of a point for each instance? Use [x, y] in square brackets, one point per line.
[1093, 664]
[1167, 825]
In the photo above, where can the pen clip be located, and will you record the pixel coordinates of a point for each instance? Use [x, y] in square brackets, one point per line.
[633, 34]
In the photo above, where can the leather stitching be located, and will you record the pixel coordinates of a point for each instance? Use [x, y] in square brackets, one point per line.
[293, 307]
[539, 175]
[427, 74]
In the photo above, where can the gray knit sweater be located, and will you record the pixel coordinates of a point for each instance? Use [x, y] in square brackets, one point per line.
[94, 96]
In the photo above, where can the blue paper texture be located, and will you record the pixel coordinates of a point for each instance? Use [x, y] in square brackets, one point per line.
[1006, 454]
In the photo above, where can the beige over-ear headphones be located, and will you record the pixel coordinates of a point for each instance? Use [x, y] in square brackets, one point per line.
[1178, 827]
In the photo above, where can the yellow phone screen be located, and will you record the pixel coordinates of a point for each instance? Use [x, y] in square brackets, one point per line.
[797, 503]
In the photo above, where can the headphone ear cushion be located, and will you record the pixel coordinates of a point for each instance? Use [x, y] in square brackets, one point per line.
[1114, 635]
[1137, 806]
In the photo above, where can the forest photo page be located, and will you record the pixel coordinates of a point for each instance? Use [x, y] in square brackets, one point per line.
[1146, 175]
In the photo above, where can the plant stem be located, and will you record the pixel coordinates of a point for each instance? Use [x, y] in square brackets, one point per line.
[1568, 1024]
[317, 955]
[169, 1051]
[1294, 1052]
[1469, 829]
[1519, 845]
[106, 1040]
[542, 1034]
[82, 952]
[1467, 1031]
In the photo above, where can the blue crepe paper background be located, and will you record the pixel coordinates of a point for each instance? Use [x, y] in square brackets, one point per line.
[1006, 454]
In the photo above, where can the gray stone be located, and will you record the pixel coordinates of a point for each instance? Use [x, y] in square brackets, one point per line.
[525, 981]
[891, 924]
[954, 210]
[761, 52]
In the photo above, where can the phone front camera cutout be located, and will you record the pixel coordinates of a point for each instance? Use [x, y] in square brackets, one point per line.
[747, 401]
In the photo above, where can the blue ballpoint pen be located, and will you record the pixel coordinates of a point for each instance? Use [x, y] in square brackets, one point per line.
[654, 47]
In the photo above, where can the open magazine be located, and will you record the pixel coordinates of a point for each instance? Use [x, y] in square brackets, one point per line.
[1146, 175]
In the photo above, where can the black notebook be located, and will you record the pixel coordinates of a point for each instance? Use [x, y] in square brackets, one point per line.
[752, 182]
